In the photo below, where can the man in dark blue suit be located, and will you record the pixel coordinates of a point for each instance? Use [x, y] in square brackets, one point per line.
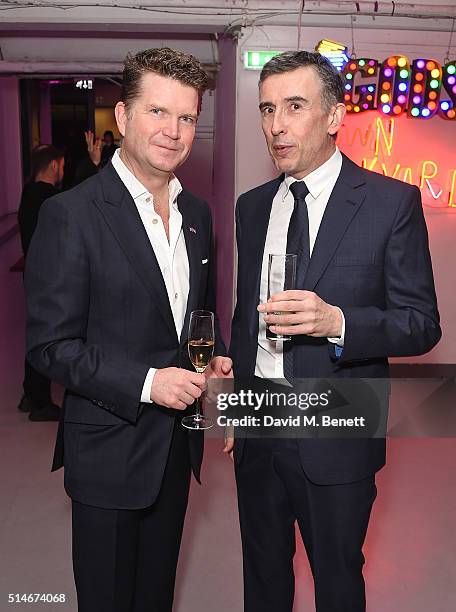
[114, 269]
[364, 292]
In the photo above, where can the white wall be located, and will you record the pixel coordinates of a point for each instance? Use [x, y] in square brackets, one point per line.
[254, 167]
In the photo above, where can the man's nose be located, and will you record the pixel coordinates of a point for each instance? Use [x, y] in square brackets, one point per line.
[172, 128]
[278, 125]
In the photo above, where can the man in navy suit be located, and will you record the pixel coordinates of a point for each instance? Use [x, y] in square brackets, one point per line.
[114, 269]
[364, 292]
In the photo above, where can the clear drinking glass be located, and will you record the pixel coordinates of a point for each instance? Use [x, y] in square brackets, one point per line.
[200, 350]
[281, 277]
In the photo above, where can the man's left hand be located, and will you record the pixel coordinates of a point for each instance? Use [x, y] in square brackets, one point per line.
[302, 312]
[219, 367]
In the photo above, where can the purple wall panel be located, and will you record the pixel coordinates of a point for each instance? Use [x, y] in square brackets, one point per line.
[224, 186]
[10, 145]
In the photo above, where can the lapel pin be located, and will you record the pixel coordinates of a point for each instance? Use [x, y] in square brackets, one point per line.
[192, 229]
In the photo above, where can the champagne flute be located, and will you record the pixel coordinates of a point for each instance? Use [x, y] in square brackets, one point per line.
[200, 350]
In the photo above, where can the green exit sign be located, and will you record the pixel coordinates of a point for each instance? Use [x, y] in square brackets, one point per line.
[255, 60]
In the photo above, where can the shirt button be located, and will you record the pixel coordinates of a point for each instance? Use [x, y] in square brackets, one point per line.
[147, 199]
[176, 295]
[155, 221]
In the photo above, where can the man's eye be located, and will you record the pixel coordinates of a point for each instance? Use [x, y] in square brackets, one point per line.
[155, 111]
[295, 106]
[268, 110]
[188, 120]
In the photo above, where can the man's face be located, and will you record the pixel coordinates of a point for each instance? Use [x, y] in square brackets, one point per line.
[296, 125]
[159, 126]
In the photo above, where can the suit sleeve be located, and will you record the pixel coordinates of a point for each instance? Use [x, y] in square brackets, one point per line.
[409, 322]
[57, 282]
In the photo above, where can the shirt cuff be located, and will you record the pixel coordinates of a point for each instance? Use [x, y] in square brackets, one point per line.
[339, 341]
[147, 387]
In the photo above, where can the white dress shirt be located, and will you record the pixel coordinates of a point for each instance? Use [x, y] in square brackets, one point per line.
[320, 183]
[171, 255]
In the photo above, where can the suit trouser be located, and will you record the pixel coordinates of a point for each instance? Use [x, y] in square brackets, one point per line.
[273, 493]
[125, 560]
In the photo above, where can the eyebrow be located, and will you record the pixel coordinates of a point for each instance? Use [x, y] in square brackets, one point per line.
[150, 105]
[264, 105]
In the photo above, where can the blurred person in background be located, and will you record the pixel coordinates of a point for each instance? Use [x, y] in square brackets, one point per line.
[91, 162]
[46, 176]
[108, 149]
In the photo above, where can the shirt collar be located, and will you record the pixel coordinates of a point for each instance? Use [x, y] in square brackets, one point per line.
[319, 178]
[136, 188]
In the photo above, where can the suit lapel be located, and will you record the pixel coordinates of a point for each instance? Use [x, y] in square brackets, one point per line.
[345, 200]
[121, 215]
[257, 224]
[192, 234]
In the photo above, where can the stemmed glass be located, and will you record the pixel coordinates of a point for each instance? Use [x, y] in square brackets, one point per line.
[200, 350]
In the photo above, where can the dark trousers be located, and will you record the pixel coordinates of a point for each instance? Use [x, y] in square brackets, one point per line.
[125, 560]
[273, 493]
[36, 386]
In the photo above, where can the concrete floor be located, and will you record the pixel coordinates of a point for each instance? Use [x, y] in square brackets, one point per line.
[410, 549]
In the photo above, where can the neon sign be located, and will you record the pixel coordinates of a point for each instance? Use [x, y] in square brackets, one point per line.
[380, 140]
[337, 53]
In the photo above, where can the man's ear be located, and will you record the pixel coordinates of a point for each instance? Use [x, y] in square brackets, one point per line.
[121, 117]
[336, 118]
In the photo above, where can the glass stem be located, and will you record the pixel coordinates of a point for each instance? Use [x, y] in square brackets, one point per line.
[198, 410]
[197, 415]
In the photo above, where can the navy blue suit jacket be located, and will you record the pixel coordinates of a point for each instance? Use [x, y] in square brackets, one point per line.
[371, 258]
[98, 317]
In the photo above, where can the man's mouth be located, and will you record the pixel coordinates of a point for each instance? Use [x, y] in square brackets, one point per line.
[282, 150]
[171, 149]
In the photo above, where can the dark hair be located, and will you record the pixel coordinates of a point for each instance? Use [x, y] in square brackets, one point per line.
[164, 61]
[109, 133]
[332, 91]
[42, 156]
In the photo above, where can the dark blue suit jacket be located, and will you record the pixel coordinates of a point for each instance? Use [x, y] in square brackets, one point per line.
[371, 258]
[98, 317]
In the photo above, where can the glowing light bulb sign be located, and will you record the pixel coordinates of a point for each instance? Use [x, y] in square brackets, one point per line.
[423, 89]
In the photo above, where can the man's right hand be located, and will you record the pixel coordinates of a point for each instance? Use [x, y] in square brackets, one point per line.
[176, 388]
[93, 147]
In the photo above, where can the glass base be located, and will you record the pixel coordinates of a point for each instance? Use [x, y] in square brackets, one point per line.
[197, 422]
[278, 338]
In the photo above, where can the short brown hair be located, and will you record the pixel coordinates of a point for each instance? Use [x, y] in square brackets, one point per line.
[182, 67]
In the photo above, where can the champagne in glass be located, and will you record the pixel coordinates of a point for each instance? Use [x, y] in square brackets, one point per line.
[200, 350]
[281, 277]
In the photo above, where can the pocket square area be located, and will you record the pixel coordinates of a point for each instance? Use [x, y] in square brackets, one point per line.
[204, 261]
